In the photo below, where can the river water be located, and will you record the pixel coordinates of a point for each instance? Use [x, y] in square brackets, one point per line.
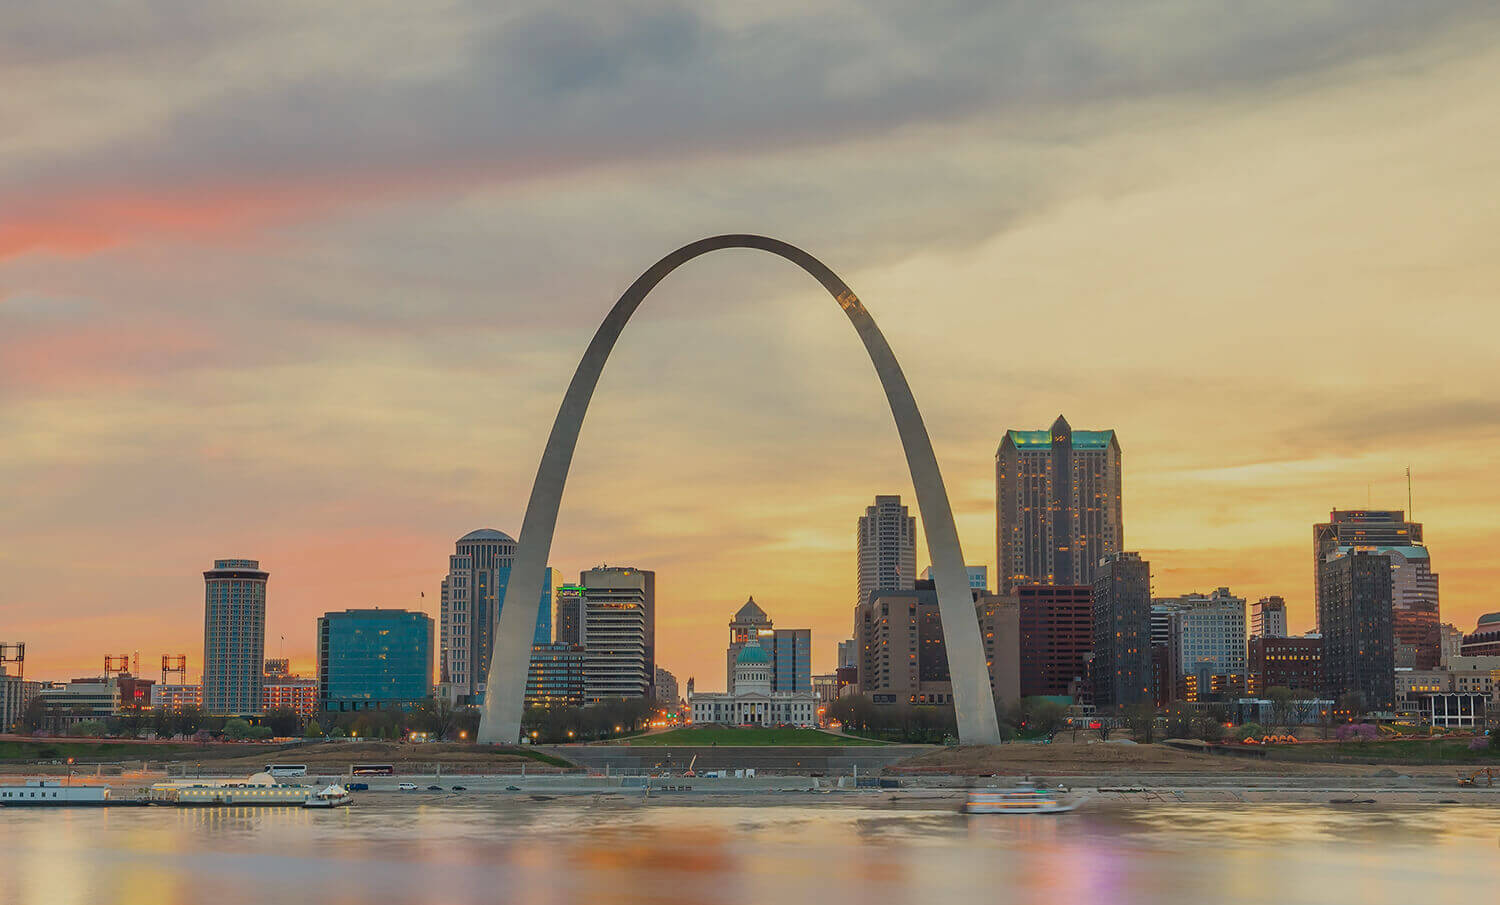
[486, 848]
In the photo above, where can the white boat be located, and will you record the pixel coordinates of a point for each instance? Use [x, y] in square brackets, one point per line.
[260, 790]
[47, 793]
[333, 796]
[1019, 800]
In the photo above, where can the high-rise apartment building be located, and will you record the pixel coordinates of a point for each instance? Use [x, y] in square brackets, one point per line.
[1121, 668]
[472, 594]
[234, 636]
[887, 542]
[1268, 618]
[1057, 505]
[1057, 636]
[374, 659]
[1354, 611]
[613, 631]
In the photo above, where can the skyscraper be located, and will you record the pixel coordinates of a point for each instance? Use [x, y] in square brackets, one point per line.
[1354, 611]
[1057, 505]
[374, 659]
[1268, 618]
[1121, 667]
[234, 636]
[614, 633]
[569, 614]
[1415, 612]
[478, 572]
[887, 542]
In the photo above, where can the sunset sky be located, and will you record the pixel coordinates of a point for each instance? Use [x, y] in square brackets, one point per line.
[305, 283]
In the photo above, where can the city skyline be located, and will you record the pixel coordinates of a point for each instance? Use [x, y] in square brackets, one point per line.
[337, 366]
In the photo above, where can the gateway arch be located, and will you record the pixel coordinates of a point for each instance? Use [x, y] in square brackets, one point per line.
[500, 720]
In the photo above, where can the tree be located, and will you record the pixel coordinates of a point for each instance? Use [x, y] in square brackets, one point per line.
[236, 729]
[35, 716]
[284, 722]
[1042, 716]
[1281, 699]
[313, 730]
[89, 728]
[1140, 717]
[1352, 703]
[438, 716]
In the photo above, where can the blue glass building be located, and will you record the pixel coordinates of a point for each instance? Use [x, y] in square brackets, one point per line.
[374, 659]
[791, 656]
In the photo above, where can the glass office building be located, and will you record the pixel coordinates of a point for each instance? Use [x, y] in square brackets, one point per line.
[374, 659]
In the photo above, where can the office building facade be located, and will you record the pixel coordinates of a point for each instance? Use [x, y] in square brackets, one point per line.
[1057, 505]
[1208, 636]
[372, 659]
[554, 676]
[1286, 662]
[1268, 618]
[469, 609]
[614, 633]
[1354, 610]
[667, 691]
[886, 541]
[234, 636]
[1056, 624]
[1121, 669]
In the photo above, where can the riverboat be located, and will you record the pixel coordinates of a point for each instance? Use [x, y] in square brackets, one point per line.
[52, 793]
[260, 790]
[1020, 800]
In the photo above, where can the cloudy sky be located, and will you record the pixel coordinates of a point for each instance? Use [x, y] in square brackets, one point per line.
[305, 282]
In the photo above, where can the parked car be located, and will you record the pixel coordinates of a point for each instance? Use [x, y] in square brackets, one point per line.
[434, 788]
[407, 786]
[357, 786]
[459, 789]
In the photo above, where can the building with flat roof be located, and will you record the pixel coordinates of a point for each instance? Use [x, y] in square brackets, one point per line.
[1058, 505]
[1208, 636]
[614, 633]
[886, 548]
[1268, 618]
[1295, 663]
[554, 677]
[1057, 638]
[234, 636]
[1354, 610]
[667, 692]
[374, 659]
[1121, 669]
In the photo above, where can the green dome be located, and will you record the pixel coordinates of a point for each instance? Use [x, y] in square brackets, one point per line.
[753, 653]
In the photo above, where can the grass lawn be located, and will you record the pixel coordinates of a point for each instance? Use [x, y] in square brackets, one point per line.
[110, 751]
[1403, 751]
[729, 737]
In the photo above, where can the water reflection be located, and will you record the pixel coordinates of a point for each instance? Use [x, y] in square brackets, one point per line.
[481, 849]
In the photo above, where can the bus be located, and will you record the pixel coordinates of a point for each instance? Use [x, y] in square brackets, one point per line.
[287, 769]
[373, 769]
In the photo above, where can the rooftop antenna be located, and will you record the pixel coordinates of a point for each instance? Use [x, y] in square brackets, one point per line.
[1410, 516]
